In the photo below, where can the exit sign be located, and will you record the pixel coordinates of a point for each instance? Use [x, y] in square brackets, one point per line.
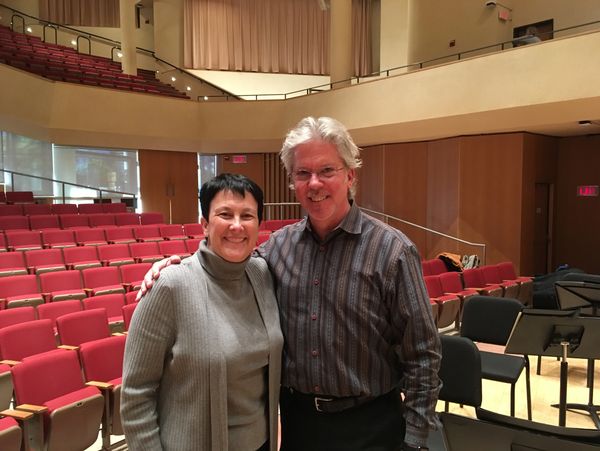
[587, 191]
[239, 159]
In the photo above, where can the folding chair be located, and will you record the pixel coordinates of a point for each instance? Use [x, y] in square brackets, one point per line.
[102, 363]
[27, 339]
[81, 257]
[74, 221]
[51, 386]
[80, 327]
[473, 279]
[490, 320]
[113, 305]
[115, 255]
[145, 252]
[507, 272]
[104, 280]
[147, 233]
[58, 239]
[133, 275]
[90, 237]
[62, 286]
[491, 276]
[20, 291]
[44, 260]
[12, 264]
[11, 435]
[120, 235]
[452, 284]
[44, 222]
[172, 232]
[23, 240]
[16, 316]
[449, 305]
[53, 310]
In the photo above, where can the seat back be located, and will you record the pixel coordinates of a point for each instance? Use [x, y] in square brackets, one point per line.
[101, 220]
[11, 210]
[127, 219]
[18, 285]
[102, 360]
[437, 266]
[16, 315]
[122, 233]
[58, 238]
[116, 207]
[147, 232]
[19, 197]
[192, 244]
[139, 250]
[53, 310]
[39, 257]
[460, 371]
[491, 274]
[193, 230]
[172, 247]
[112, 303]
[130, 296]
[433, 285]
[73, 221]
[473, 278]
[90, 236]
[79, 327]
[12, 263]
[37, 209]
[151, 218]
[39, 222]
[14, 222]
[100, 277]
[134, 273]
[23, 239]
[113, 251]
[60, 281]
[40, 338]
[73, 255]
[63, 209]
[88, 209]
[489, 319]
[507, 270]
[128, 313]
[171, 231]
[451, 282]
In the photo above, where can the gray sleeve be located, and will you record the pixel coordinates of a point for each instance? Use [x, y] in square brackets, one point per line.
[148, 345]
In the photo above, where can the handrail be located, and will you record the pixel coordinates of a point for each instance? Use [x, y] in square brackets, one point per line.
[63, 184]
[88, 36]
[427, 229]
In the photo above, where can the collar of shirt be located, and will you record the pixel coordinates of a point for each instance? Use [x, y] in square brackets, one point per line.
[352, 223]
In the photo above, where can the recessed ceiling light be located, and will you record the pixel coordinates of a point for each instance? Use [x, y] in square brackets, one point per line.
[73, 42]
[173, 79]
[189, 88]
[29, 30]
[120, 54]
[585, 123]
[205, 97]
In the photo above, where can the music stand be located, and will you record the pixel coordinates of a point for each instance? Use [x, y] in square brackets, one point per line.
[557, 334]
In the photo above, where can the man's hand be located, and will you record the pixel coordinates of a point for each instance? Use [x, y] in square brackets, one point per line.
[154, 273]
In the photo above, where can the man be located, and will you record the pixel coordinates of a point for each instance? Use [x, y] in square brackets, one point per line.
[361, 352]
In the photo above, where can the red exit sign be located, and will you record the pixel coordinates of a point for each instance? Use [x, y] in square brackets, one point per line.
[239, 159]
[587, 191]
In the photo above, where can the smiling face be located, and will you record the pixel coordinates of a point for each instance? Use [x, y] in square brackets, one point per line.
[232, 226]
[325, 199]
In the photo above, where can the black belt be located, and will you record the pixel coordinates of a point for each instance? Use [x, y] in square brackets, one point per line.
[328, 404]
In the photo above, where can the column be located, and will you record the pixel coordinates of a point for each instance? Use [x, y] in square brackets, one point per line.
[127, 15]
[340, 46]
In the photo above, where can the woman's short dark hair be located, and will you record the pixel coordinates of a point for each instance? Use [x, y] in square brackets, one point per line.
[236, 183]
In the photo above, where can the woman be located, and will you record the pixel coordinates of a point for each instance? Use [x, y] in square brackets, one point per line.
[203, 354]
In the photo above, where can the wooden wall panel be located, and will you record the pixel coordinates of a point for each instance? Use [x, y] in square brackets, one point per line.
[578, 218]
[169, 184]
[539, 167]
[490, 185]
[252, 168]
[443, 166]
[371, 179]
[405, 188]
[277, 190]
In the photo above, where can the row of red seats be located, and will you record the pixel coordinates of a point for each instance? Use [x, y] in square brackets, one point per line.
[22, 208]
[85, 371]
[449, 290]
[24, 290]
[73, 221]
[16, 240]
[61, 63]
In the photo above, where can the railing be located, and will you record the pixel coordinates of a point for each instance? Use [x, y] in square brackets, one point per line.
[91, 37]
[102, 192]
[281, 206]
[387, 217]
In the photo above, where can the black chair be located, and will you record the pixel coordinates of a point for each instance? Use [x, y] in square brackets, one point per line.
[460, 372]
[488, 319]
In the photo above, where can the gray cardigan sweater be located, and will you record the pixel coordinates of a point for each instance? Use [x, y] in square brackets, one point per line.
[174, 393]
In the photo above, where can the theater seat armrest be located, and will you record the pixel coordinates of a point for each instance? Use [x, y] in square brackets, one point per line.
[127, 286]
[88, 291]
[100, 385]
[17, 414]
[10, 362]
[68, 347]
[117, 334]
[32, 408]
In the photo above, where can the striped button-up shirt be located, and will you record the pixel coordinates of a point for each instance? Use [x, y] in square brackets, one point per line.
[355, 315]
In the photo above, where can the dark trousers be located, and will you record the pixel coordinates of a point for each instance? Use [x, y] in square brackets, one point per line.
[377, 425]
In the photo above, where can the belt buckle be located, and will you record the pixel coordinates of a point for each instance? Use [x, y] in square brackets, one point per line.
[318, 400]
